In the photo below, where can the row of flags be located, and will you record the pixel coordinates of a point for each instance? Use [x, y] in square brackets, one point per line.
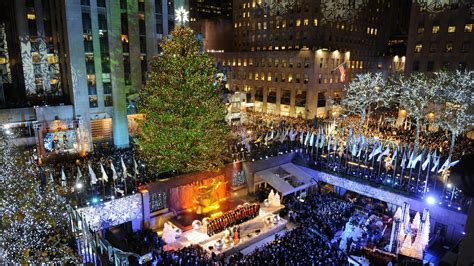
[103, 174]
[355, 144]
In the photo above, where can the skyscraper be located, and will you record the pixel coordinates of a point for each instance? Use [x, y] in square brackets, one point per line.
[78, 60]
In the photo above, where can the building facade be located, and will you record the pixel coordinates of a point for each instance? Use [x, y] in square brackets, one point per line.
[91, 55]
[441, 41]
[296, 49]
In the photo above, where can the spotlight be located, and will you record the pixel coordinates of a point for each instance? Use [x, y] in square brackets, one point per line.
[459, 208]
[449, 185]
[95, 200]
[430, 200]
[79, 185]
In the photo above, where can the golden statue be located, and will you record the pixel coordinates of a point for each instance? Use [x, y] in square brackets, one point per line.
[204, 198]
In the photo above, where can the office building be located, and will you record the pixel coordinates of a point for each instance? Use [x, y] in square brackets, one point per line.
[78, 61]
[441, 41]
[289, 61]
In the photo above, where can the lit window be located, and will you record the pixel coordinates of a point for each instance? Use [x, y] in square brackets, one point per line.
[449, 47]
[306, 22]
[298, 22]
[290, 78]
[269, 76]
[418, 48]
[435, 29]
[452, 29]
[468, 27]
[315, 22]
[31, 16]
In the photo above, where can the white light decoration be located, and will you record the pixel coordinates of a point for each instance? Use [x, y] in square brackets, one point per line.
[113, 213]
[277, 7]
[437, 6]
[341, 10]
[182, 16]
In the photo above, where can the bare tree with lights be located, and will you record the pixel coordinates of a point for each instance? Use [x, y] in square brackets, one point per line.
[417, 92]
[363, 92]
[455, 92]
[34, 226]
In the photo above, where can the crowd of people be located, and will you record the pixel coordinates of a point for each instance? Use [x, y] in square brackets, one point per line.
[297, 247]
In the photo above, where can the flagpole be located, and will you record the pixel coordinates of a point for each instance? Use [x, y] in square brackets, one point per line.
[394, 177]
[427, 176]
[419, 172]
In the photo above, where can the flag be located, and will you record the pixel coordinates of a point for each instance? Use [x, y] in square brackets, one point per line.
[384, 153]
[360, 150]
[301, 137]
[334, 148]
[311, 140]
[63, 179]
[375, 151]
[51, 179]
[124, 169]
[435, 161]
[321, 143]
[444, 166]
[329, 143]
[426, 162]
[104, 177]
[394, 155]
[78, 176]
[453, 163]
[92, 175]
[410, 158]
[306, 139]
[295, 133]
[404, 158]
[135, 166]
[354, 149]
[416, 160]
[291, 135]
[342, 71]
[317, 140]
[114, 172]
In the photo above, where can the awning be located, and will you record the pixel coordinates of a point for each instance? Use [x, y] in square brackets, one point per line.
[286, 178]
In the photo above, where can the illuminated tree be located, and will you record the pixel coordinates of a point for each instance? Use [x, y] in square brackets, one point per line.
[34, 226]
[184, 129]
[363, 92]
[455, 91]
[417, 92]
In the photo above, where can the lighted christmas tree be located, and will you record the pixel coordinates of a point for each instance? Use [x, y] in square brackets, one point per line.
[184, 129]
[34, 225]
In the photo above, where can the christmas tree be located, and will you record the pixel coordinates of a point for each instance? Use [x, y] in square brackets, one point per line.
[34, 225]
[184, 129]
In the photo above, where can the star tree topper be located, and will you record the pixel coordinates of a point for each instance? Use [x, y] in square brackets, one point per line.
[182, 16]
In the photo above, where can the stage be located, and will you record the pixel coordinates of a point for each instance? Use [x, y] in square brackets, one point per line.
[252, 232]
[184, 220]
